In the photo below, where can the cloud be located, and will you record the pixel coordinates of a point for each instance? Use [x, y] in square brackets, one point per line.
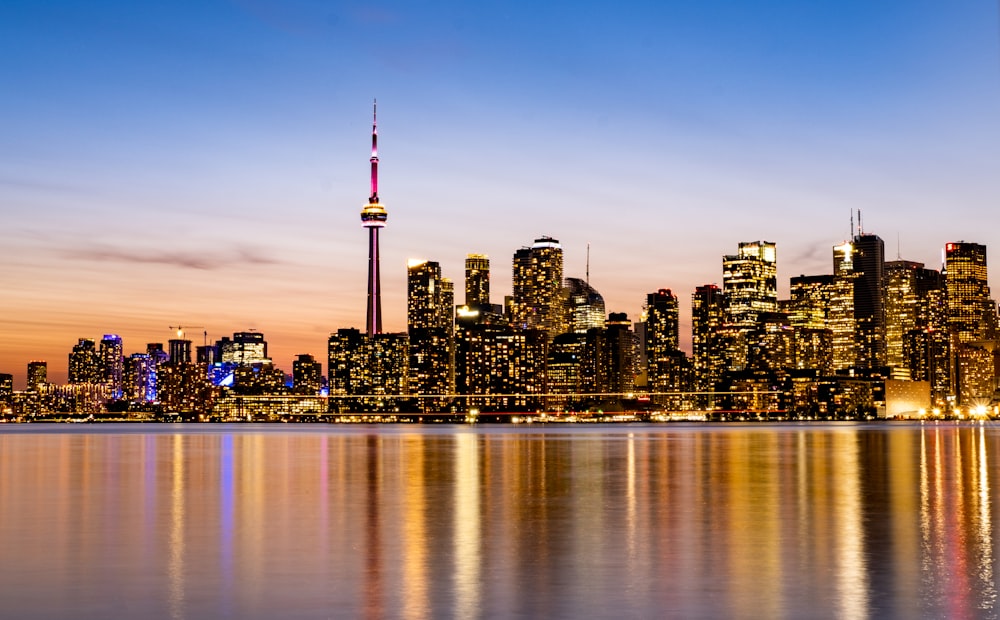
[188, 259]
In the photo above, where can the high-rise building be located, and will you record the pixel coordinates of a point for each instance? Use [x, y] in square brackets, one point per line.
[707, 316]
[840, 313]
[564, 363]
[500, 368]
[430, 299]
[750, 282]
[346, 353]
[538, 300]
[902, 301]
[244, 349]
[307, 375]
[85, 363]
[810, 301]
[112, 363]
[609, 358]
[37, 375]
[477, 280]
[584, 306]
[661, 342]
[139, 383]
[180, 351]
[373, 217]
[6, 389]
[971, 312]
[869, 295]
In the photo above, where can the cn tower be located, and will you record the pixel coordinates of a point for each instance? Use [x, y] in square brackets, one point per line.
[373, 218]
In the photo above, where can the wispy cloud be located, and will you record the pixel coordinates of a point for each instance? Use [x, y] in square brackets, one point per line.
[189, 259]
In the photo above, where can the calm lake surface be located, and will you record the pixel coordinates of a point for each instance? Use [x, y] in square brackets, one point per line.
[622, 521]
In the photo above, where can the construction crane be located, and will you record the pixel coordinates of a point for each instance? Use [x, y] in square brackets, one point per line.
[180, 331]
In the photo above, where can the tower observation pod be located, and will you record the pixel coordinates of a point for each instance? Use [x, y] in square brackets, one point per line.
[373, 217]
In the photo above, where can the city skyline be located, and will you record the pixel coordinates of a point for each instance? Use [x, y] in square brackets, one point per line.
[138, 194]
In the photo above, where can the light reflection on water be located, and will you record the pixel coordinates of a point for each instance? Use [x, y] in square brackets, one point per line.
[790, 521]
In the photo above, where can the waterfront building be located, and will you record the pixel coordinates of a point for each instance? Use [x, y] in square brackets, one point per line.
[661, 341]
[85, 363]
[431, 330]
[139, 378]
[538, 301]
[609, 360]
[37, 375]
[500, 368]
[112, 363]
[346, 355]
[750, 283]
[6, 392]
[971, 311]
[307, 375]
[373, 217]
[584, 306]
[183, 387]
[707, 316]
[565, 358]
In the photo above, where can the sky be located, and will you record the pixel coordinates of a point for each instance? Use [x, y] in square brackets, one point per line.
[204, 163]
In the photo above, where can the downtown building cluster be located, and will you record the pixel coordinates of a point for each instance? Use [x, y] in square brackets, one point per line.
[873, 337]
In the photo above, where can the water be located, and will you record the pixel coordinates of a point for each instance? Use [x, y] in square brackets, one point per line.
[622, 521]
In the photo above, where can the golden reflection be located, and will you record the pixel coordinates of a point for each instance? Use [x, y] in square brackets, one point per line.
[851, 571]
[467, 520]
[175, 570]
[414, 530]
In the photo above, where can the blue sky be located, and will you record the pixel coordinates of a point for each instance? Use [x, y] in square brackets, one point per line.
[205, 162]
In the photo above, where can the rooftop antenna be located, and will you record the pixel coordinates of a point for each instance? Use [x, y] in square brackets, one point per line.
[861, 227]
[899, 255]
[852, 224]
[588, 263]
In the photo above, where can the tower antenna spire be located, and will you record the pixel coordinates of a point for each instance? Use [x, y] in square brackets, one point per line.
[374, 196]
[588, 263]
[852, 224]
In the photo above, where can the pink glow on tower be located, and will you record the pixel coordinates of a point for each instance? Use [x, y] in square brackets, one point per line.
[373, 217]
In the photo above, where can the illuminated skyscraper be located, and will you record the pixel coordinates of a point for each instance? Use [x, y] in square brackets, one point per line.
[810, 301]
[971, 312]
[84, 362]
[245, 349]
[139, 384]
[37, 375]
[346, 352]
[667, 368]
[840, 313]
[584, 306]
[430, 300]
[307, 375]
[477, 280]
[373, 217]
[869, 295]
[750, 282]
[707, 316]
[609, 358]
[501, 368]
[538, 300]
[112, 363]
[901, 308]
